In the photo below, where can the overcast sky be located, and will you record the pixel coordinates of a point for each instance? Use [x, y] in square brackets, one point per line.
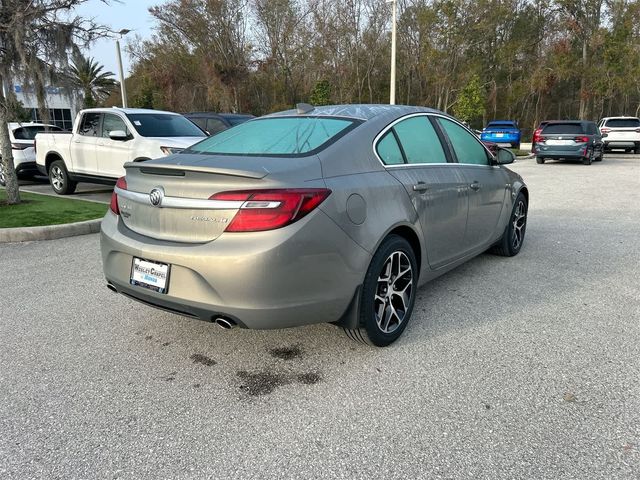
[129, 14]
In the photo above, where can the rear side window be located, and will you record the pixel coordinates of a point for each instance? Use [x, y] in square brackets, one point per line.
[466, 146]
[568, 128]
[277, 136]
[201, 122]
[29, 133]
[389, 150]
[215, 125]
[90, 124]
[420, 141]
[623, 123]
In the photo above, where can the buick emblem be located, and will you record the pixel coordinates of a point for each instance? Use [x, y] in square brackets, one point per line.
[156, 196]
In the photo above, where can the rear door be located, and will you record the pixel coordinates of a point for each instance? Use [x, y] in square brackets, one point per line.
[83, 144]
[487, 185]
[111, 155]
[414, 154]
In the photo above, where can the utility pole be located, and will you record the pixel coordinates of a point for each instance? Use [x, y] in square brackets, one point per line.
[123, 88]
[394, 15]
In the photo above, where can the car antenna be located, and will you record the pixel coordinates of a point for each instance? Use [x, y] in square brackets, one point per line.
[303, 108]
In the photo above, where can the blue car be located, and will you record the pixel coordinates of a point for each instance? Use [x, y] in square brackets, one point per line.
[502, 131]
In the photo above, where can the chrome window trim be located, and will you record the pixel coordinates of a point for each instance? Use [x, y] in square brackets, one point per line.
[425, 114]
[183, 203]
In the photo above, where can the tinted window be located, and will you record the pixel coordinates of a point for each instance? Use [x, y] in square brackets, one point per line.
[558, 128]
[466, 146]
[420, 141]
[237, 120]
[623, 123]
[389, 151]
[501, 125]
[276, 136]
[201, 122]
[591, 128]
[111, 123]
[215, 125]
[163, 125]
[90, 124]
[29, 133]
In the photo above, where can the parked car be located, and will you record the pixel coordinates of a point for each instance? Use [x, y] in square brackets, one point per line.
[104, 139]
[22, 137]
[501, 132]
[213, 123]
[570, 140]
[334, 214]
[621, 132]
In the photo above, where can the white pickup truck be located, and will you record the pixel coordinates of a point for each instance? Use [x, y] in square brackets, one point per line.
[104, 139]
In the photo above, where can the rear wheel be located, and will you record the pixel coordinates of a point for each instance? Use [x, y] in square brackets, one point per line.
[59, 179]
[513, 236]
[516, 145]
[540, 160]
[388, 294]
[589, 158]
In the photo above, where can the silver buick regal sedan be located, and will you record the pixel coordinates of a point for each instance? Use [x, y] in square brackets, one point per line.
[331, 214]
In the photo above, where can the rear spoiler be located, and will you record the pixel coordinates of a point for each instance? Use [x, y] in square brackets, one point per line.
[179, 170]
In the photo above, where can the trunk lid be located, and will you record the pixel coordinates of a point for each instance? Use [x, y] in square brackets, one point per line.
[187, 181]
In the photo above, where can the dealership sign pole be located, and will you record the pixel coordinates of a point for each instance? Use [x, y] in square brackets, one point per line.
[394, 10]
[123, 88]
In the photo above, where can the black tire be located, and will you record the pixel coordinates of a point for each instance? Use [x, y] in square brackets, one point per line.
[382, 295]
[589, 158]
[637, 149]
[513, 237]
[540, 160]
[59, 179]
[600, 157]
[516, 146]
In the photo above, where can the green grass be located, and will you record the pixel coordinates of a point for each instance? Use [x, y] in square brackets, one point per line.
[36, 210]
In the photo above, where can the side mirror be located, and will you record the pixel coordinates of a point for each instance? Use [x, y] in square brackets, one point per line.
[118, 135]
[504, 156]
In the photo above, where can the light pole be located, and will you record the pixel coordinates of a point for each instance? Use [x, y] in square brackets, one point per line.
[123, 88]
[394, 14]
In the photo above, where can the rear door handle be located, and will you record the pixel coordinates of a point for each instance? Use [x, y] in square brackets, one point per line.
[420, 187]
[475, 186]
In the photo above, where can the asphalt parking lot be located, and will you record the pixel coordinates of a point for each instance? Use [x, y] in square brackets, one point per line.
[522, 368]
[85, 191]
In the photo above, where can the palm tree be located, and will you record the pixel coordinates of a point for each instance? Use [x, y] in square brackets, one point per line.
[86, 74]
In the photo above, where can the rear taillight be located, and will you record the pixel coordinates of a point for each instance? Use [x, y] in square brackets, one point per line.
[20, 146]
[271, 209]
[536, 135]
[122, 185]
[637, 130]
[605, 130]
[581, 139]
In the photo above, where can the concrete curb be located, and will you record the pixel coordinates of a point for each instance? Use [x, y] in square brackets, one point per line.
[49, 232]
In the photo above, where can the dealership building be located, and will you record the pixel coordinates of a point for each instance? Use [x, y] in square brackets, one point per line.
[61, 102]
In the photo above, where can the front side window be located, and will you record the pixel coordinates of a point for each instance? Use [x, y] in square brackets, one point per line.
[466, 146]
[111, 123]
[163, 125]
[277, 136]
[90, 124]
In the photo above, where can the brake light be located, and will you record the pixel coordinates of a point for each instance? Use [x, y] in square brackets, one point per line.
[581, 139]
[536, 135]
[20, 146]
[605, 130]
[637, 130]
[122, 185]
[271, 209]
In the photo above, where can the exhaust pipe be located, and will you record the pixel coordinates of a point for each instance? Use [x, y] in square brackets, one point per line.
[224, 323]
[112, 288]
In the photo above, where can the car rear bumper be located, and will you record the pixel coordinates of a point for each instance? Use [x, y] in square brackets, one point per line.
[507, 138]
[563, 152]
[621, 143]
[27, 168]
[262, 280]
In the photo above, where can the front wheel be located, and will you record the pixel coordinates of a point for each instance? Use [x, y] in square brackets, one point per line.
[59, 179]
[539, 160]
[513, 237]
[388, 294]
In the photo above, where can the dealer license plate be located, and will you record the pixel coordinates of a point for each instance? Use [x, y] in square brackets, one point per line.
[559, 142]
[151, 275]
[499, 135]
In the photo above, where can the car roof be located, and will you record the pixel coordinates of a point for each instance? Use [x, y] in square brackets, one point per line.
[133, 111]
[216, 114]
[356, 111]
[14, 125]
[502, 121]
[620, 118]
[555, 122]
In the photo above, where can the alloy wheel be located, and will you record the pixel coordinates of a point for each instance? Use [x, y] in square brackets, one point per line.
[519, 222]
[393, 295]
[57, 177]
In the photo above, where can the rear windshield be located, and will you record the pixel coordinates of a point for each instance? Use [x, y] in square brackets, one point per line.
[163, 125]
[29, 133]
[563, 128]
[278, 136]
[623, 123]
[501, 125]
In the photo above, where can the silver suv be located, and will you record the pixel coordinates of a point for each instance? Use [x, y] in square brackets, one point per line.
[621, 133]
